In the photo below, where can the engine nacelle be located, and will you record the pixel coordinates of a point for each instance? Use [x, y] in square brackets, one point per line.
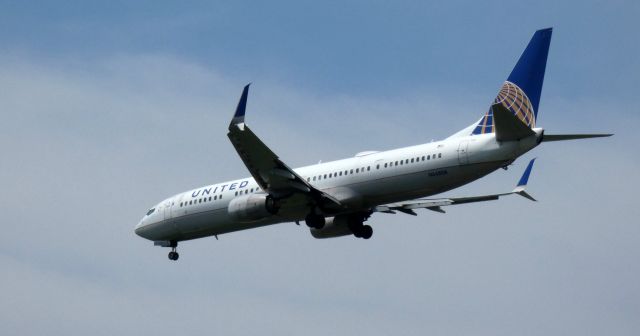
[251, 208]
[333, 227]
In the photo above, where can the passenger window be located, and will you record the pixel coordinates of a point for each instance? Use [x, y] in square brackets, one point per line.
[357, 170]
[190, 202]
[378, 166]
[368, 168]
[351, 171]
[439, 155]
[411, 160]
[314, 178]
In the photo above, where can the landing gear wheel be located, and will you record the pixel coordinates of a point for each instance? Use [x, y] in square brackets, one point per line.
[315, 221]
[366, 232]
[362, 231]
[173, 255]
[357, 232]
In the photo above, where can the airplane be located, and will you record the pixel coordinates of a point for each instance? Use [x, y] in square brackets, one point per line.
[336, 198]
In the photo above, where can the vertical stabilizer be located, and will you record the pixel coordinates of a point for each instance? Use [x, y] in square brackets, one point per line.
[520, 94]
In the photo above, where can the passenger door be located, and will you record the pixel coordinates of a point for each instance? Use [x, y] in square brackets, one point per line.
[463, 152]
[166, 210]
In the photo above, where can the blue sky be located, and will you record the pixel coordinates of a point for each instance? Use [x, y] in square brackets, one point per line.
[358, 47]
[107, 108]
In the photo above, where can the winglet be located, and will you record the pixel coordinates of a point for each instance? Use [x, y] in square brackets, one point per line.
[525, 176]
[522, 184]
[238, 117]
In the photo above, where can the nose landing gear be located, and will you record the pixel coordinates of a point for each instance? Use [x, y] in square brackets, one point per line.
[173, 244]
[173, 255]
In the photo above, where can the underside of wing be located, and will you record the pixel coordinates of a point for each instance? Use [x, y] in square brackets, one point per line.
[408, 207]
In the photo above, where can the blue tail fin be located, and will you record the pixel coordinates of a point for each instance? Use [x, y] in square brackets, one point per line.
[520, 94]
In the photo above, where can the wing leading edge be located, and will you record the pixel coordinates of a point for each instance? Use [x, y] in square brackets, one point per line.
[271, 174]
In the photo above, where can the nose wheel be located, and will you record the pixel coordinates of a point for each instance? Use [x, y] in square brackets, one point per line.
[173, 255]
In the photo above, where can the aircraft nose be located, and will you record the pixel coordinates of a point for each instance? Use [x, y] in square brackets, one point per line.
[139, 229]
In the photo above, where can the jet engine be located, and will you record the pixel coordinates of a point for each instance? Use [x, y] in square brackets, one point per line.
[251, 208]
[343, 225]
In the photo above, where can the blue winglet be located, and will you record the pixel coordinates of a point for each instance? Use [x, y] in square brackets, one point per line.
[525, 176]
[238, 117]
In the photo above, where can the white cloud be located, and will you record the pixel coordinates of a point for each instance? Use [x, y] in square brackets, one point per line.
[86, 148]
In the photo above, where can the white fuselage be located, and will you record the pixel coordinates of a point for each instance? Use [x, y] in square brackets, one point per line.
[362, 182]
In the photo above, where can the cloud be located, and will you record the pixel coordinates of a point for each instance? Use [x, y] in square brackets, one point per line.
[87, 147]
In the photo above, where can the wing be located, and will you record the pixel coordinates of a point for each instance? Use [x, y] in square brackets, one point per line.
[273, 175]
[437, 204]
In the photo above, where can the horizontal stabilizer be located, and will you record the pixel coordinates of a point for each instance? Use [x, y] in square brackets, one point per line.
[508, 126]
[561, 137]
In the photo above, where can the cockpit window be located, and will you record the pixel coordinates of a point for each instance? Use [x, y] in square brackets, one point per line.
[151, 211]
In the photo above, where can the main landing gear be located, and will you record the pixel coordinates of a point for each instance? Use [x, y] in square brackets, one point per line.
[362, 231]
[173, 255]
[314, 220]
[357, 226]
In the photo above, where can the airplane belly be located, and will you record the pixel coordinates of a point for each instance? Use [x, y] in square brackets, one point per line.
[423, 183]
[215, 222]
